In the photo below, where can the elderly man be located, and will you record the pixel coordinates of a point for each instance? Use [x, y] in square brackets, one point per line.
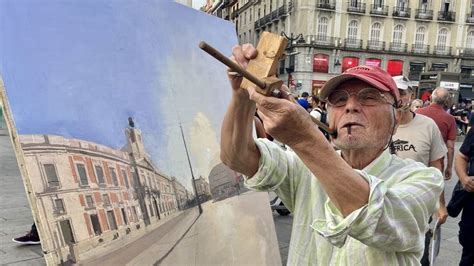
[418, 138]
[363, 206]
[445, 122]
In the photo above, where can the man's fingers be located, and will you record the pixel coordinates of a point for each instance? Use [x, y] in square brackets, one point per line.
[249, 51]
[265, 103]
[239, 56]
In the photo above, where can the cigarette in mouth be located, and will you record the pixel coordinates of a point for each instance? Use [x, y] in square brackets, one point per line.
[349, 129]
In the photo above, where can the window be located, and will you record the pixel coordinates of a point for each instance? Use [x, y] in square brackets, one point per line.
[398, 34]
[323, 27]
[375, 32]
[100, 174]
[111, 218]
[124, 214]
[125, 178]
[395, 67]
[51, 175]
[96, 224]
[442, 36]
[470, 40]
[81, 169]
[348, 62]
[89, 201]
[59, 206]
[320, 63]
[373, 62]
[106, 199]
[114, 176]
[420, 36]
[352, 30]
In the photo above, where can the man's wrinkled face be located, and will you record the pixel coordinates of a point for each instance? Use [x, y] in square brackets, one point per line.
[405, 98]
[361, 123]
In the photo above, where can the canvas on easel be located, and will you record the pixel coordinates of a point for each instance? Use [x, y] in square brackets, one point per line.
[115, 114]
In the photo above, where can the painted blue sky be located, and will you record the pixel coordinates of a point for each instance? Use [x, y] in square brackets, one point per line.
[80, 68]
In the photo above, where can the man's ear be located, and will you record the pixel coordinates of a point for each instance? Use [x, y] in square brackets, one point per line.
[396, 119]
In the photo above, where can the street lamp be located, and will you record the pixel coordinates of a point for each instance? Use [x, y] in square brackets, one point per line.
[291, 64]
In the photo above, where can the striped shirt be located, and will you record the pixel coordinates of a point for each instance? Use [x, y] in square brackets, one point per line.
[389, 230]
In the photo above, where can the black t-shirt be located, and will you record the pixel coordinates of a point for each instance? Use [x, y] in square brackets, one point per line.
[467, 147]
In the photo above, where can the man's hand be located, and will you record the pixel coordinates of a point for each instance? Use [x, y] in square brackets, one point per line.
[448, 172]
[241, 55]
[286, 121]
[442, 214]
[467, 183]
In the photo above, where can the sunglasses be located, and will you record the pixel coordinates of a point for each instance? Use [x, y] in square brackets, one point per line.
[366, 96]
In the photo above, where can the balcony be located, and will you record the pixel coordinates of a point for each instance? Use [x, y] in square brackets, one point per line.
[442, 50]
[326, 4]
[470, 18]
[448, 16]
[356, 7]
[267, 19]
[350, 43]
[401, 12]
[424, 14]
[466, 78]
[274, 15]
[322, 40]
[379, 10]
[420, 49]
[375, 45]
[398, 47]
[467, 52]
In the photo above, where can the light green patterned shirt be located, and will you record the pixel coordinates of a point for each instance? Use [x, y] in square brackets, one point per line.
[389, 230]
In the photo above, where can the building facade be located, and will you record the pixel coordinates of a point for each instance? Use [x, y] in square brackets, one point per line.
[327, 36]
[89, 194]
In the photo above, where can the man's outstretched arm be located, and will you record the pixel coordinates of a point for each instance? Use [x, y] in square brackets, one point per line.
[238, 149]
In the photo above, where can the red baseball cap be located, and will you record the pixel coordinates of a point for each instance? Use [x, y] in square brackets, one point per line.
[375, 76]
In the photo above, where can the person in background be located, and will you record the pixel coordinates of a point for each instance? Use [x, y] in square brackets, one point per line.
[465, 170]
[303, 101]
[417, 103]
[447, 125]
[418, 138]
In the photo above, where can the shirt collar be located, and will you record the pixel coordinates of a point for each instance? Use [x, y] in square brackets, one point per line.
[377, 166]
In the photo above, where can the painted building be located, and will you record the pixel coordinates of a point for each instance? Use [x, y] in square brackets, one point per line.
[91, 194]
[223, 182]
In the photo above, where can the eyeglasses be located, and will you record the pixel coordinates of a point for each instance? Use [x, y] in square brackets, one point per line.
[366, 96]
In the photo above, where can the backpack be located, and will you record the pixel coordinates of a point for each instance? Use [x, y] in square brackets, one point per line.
[323, 120]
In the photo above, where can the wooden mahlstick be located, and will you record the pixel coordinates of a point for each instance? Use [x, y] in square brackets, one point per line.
[270, 49]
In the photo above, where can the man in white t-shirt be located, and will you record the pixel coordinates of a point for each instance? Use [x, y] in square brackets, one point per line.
[418, 138]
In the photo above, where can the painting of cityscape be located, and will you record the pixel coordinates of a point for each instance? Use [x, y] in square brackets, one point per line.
[115, 114]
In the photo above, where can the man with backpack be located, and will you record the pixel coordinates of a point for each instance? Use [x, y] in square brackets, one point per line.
[319, 112]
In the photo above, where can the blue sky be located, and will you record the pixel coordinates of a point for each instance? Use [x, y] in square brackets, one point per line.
[80, 68]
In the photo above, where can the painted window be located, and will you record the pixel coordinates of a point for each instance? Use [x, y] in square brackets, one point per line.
[51, 175]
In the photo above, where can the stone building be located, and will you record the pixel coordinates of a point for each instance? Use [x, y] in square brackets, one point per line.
[202, 189]
[402, 36]
[91, 194]
[223, 182]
